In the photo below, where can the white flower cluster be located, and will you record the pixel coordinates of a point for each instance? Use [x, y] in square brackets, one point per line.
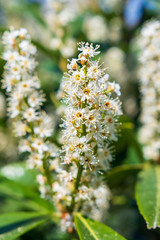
[93, 196]
[58, 14]
[150, 89]
[91, 117]
[31, 124]
[90, 125]
[90, 198]
[96, 28]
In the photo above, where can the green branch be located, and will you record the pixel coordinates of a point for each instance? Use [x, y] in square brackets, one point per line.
[47, 173]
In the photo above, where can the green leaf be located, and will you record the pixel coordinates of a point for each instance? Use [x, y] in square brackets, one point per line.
[118, 175]
[23, 195]
[17, 189]
[14, 217]
[19, 172]
[13, 225]
[132, 156]
[148, 196]
[93, 230]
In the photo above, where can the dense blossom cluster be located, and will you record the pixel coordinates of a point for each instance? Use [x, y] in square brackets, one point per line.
[91, 115]
[31, 124]
[150, 89]
[90, 125]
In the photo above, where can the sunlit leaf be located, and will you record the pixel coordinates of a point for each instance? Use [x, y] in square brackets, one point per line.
[148, 196]
[93, 230]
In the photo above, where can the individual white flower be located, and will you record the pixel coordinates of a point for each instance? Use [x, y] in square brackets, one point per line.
[36, 99]
[26, 47]
[27, 63]
[88, 50]
[73, 64]
[9, 38]
[24, 146]
[20, 129]
[35, 160]
[15, 69]
[10, 81]
[11, 56]
[39, 145]
[88, 160]
[24, 87]
[14, 109]
[30, 115]
[115, 87]
[84, 193]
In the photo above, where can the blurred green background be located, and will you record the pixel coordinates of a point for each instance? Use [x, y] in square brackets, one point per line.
[56, 27]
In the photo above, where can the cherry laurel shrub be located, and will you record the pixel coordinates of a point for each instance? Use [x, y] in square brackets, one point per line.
[71, 177]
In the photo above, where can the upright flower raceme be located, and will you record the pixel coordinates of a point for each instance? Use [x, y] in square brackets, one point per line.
[150, 89]
[91, 116]
[32, 125]
[90, 125]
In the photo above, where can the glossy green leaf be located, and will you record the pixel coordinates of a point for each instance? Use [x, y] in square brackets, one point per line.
[148, 196]
[93, 230]
[13, 225]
